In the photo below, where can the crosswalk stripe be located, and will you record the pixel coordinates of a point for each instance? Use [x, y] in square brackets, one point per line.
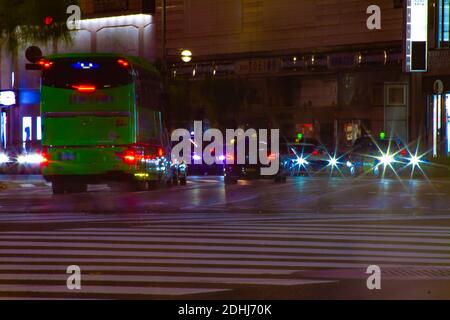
[107, 290]
[241, 232]
[232, 260]
[183, 244]
[145, 279]
[215, 257]
[290, 240]
[166, 269]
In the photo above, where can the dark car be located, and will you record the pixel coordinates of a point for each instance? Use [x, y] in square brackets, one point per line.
[311, 157]
[375, 157]
[235, 172]
[204, 169]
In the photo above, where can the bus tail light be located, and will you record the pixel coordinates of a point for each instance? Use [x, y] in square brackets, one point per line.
[85, 88]
[130, 157]
[45, 64]
[44, 158]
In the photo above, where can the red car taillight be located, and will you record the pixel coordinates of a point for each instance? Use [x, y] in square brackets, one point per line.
[131, 157]
[136, 154]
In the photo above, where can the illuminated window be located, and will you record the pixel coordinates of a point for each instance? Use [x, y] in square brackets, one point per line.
[38, 129]
[27, 128]
[443, 23]
[447, 107]
[3, 129]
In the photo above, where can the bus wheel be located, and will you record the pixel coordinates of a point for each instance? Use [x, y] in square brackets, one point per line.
[58, 187]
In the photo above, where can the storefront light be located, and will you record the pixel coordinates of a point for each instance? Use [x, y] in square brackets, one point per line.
[7, 98]
[4, 158]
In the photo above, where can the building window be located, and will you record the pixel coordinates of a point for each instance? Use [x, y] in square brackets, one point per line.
[38, 129]
[443, 23]
[105, 6]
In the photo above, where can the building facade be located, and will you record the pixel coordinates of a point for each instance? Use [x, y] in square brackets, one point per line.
[306, 66]
[121, 26]
[436, 82]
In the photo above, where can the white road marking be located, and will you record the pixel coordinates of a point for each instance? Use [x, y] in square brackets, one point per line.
[106, 290]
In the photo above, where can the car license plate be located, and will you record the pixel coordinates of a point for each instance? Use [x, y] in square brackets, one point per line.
[67, 156]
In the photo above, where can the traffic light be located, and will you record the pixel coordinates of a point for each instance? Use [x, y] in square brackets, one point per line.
[48, 20]
[382, 135]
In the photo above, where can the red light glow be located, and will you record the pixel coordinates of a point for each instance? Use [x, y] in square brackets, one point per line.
[45, 64]
[85, 88]
[123, 63]
[48, 20]
[45, 158]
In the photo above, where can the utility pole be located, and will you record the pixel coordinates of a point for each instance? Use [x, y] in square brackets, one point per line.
[164, 66]
[164, 44]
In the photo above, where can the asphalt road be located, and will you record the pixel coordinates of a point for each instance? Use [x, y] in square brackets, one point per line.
[312, 238]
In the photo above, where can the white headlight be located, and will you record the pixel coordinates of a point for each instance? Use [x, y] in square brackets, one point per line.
[349, 164]
[302, 162]
[333, 162]
[386, 159]
[4, 158]
[414, 161]
[22, 159]
[30, 159]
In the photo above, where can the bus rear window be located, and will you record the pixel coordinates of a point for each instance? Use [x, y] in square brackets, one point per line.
[99, 72]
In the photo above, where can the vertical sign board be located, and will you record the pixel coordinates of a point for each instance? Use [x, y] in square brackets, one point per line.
[416, 47]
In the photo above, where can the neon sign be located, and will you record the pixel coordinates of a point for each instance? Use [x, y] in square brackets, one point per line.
[416, 47]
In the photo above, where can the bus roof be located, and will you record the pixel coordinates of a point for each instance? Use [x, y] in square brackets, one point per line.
[137, 61]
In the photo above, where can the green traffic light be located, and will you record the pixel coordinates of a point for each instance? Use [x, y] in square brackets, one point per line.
[382, 135]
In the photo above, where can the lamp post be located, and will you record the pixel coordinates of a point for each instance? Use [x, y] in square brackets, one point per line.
[164, 50]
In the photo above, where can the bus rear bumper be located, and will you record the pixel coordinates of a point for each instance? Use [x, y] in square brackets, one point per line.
[100, 178]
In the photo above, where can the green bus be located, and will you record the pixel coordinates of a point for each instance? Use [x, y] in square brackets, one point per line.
[102, 122]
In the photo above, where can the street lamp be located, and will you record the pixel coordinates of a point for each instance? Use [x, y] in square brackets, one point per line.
[186, 56]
